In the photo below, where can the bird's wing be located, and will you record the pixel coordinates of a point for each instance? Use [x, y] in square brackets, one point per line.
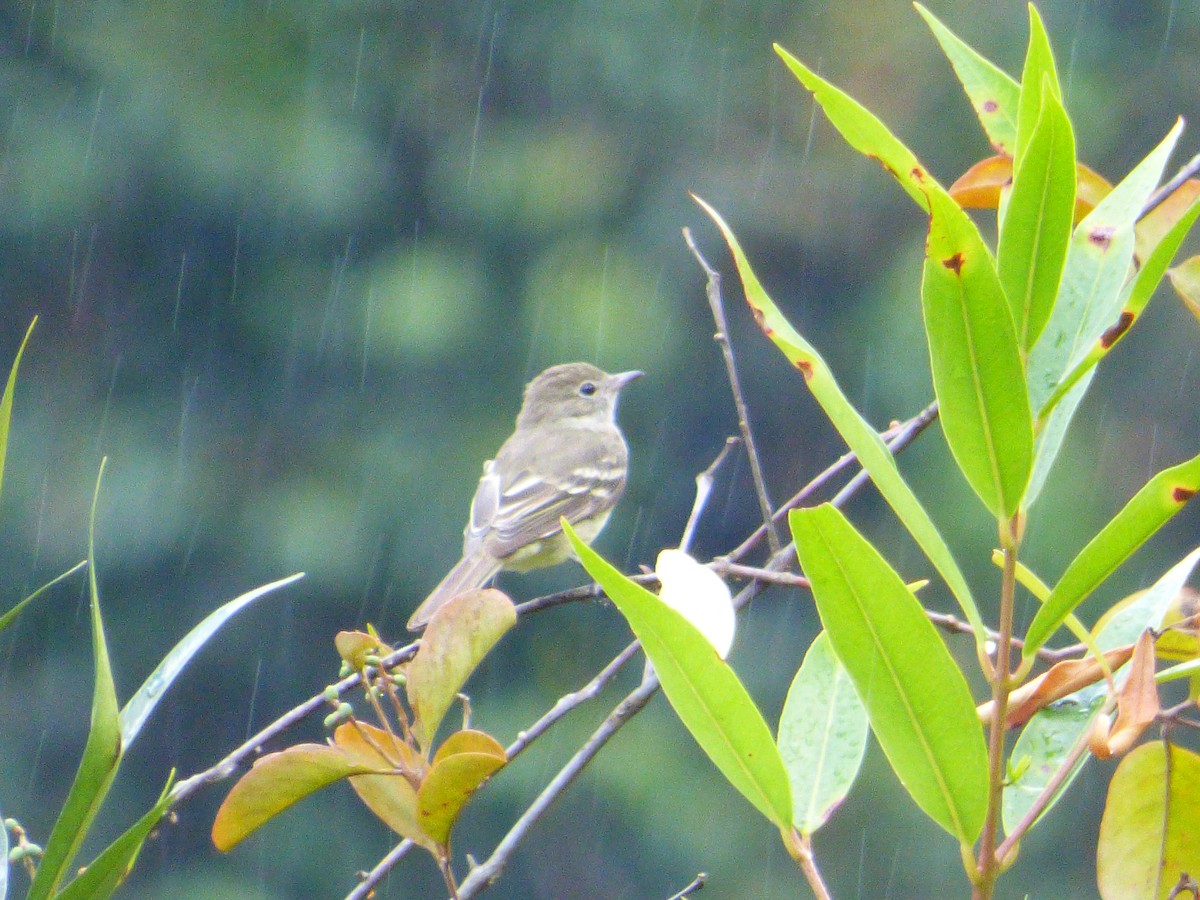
[526, 505]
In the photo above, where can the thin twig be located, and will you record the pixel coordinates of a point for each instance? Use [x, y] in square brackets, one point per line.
[704, 483]
[488, 871]
[697, 884]
[713, 291]
[1186, 171]
[371, 879]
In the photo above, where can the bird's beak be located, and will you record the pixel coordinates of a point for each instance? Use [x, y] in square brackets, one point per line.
[623, 378]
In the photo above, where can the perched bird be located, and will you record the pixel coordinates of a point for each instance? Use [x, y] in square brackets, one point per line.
[566, 459]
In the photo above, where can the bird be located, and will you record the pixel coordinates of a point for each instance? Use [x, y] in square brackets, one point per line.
[566, 459]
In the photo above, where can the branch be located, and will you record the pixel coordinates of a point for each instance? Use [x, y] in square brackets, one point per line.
[1186, 171]
[713, 291]
[704, 483]
[488, 871]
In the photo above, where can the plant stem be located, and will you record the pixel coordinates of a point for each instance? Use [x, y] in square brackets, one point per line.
[988, 864]
[799, 847]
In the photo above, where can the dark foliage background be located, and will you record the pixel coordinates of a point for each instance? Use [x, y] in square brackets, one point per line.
[293, 262]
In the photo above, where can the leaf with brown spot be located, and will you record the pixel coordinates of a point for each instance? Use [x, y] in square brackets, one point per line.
[463, 763]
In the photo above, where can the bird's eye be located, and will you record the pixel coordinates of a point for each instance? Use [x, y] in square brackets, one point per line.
[587, 389]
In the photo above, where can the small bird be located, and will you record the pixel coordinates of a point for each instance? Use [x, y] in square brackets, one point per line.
[566, 459]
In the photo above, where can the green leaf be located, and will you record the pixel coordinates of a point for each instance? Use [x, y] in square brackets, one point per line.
[1148, 834]
[1138, 295]
[976, 364]
[704, 692]
[6, 402]
[105, 873]
[143, 702]
[864, 132]
[278, 781]
[854, 429]
[1036, 230]
[1038, 79]
[822, 736]
[1089, 302]
[9, 617]
[916, 698]
[1151, 508]
[1054, 731]
[992, 92]
[101, 753]
[459, 636]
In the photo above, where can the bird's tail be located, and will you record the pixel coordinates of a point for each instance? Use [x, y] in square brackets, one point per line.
[472, 571]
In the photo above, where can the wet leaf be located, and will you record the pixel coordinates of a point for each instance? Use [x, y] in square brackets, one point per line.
[1148, 833]
[276, 782]
[462, 764]
[459, 636]
[392, 797]
[916, 698]
[822, 736]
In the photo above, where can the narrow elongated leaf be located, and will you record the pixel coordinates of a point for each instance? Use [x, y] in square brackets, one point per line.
[976, 363]
[145, 699]
[459, 636]
[703, 690]
[822, 736]
[1148, 834]
[864, 132]
[1037, 222]
[1038, 79]
[916, 698]
[1151, 508]
[992, 92]
[1089, 302]
[101, 753]
[854, 429]
[9, 617]
[105, 873]
[6, 401]
[1138, 295]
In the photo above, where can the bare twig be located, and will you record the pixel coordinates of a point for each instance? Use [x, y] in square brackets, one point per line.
[697, 885]
[488, 871]
[704, 483]
[713, 291]
[1186, 171]
[371, 879]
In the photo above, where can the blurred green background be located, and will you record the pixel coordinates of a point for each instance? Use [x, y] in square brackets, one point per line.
[294, 262]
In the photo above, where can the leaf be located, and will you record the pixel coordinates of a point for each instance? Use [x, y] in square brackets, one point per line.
[1061, 680]
[916, 698]
[864, 132]
[703, 690]
[278, 781]
[391, 797]
[1051, 734]
[1148, 834]
[1153, 227]
[822, 736]
[463, 763]
[1038, 79]
[9, 617]
[1151, 508]
[1089, 301]
[1137, 704]
[143, 702]
[1137, 295]
[992, 92]
[6, 401]
[101, 754]
[1037, 223]
[1185, 279]
[355, 646]
[459, 636]
[107, 871]
[858, 435]
[976, 364]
